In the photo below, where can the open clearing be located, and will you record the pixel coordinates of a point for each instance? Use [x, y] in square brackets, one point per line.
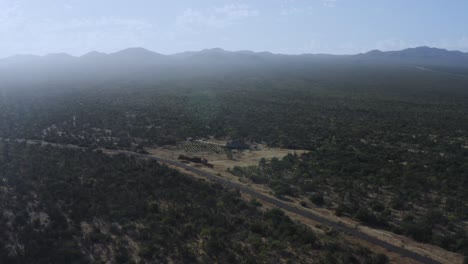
[169, 155]
[220, 159]
[244, 158]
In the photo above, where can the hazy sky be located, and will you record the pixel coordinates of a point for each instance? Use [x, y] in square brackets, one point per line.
[281, 26]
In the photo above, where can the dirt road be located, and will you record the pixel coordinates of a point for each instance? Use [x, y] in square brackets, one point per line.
[276, 202]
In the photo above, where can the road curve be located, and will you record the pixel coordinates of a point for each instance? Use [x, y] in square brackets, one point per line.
[307, 214]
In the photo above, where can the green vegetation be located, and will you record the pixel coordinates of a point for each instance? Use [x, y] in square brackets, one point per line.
[388, 144]
[378, 191]
[300, 108]
[73, 206]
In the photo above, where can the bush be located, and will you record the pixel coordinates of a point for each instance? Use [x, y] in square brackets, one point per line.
[317, 199]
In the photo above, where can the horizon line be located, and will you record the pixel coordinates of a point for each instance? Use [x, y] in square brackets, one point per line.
[220, 49]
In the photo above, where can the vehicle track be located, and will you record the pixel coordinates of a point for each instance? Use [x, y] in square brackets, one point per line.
[307, 214]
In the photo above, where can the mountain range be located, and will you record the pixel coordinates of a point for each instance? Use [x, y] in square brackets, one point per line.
[146, 67]
[419, 56]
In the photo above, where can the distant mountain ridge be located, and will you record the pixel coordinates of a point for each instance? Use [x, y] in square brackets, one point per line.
[423, 51]
[135, 57]
[420, 55]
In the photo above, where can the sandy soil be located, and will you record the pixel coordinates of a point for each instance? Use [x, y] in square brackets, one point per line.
[221, 161]
[252, 157]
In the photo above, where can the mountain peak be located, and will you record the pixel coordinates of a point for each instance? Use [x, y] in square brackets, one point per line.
[425, 48]
[416, 51]
[374, 52]
[94, 54]
[214, 50]
[135, 50]
[137, 56]
[58, 56]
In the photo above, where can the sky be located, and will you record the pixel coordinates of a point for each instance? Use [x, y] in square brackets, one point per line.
[280, 26]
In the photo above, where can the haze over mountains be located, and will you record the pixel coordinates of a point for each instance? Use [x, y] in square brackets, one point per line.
[419, 55]
[145, 66]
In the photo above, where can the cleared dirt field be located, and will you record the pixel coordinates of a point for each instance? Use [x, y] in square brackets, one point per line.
[245, 158]
[169, 155]
[220, 160]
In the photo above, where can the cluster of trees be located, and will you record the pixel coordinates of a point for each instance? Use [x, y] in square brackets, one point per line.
[392, 134]
[75, 206]
[295, 107]
[428, 203]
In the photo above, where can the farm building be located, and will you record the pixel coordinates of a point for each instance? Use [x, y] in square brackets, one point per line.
[237, 144]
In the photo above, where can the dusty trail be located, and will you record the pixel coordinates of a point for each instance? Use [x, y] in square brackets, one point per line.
[276, 202]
